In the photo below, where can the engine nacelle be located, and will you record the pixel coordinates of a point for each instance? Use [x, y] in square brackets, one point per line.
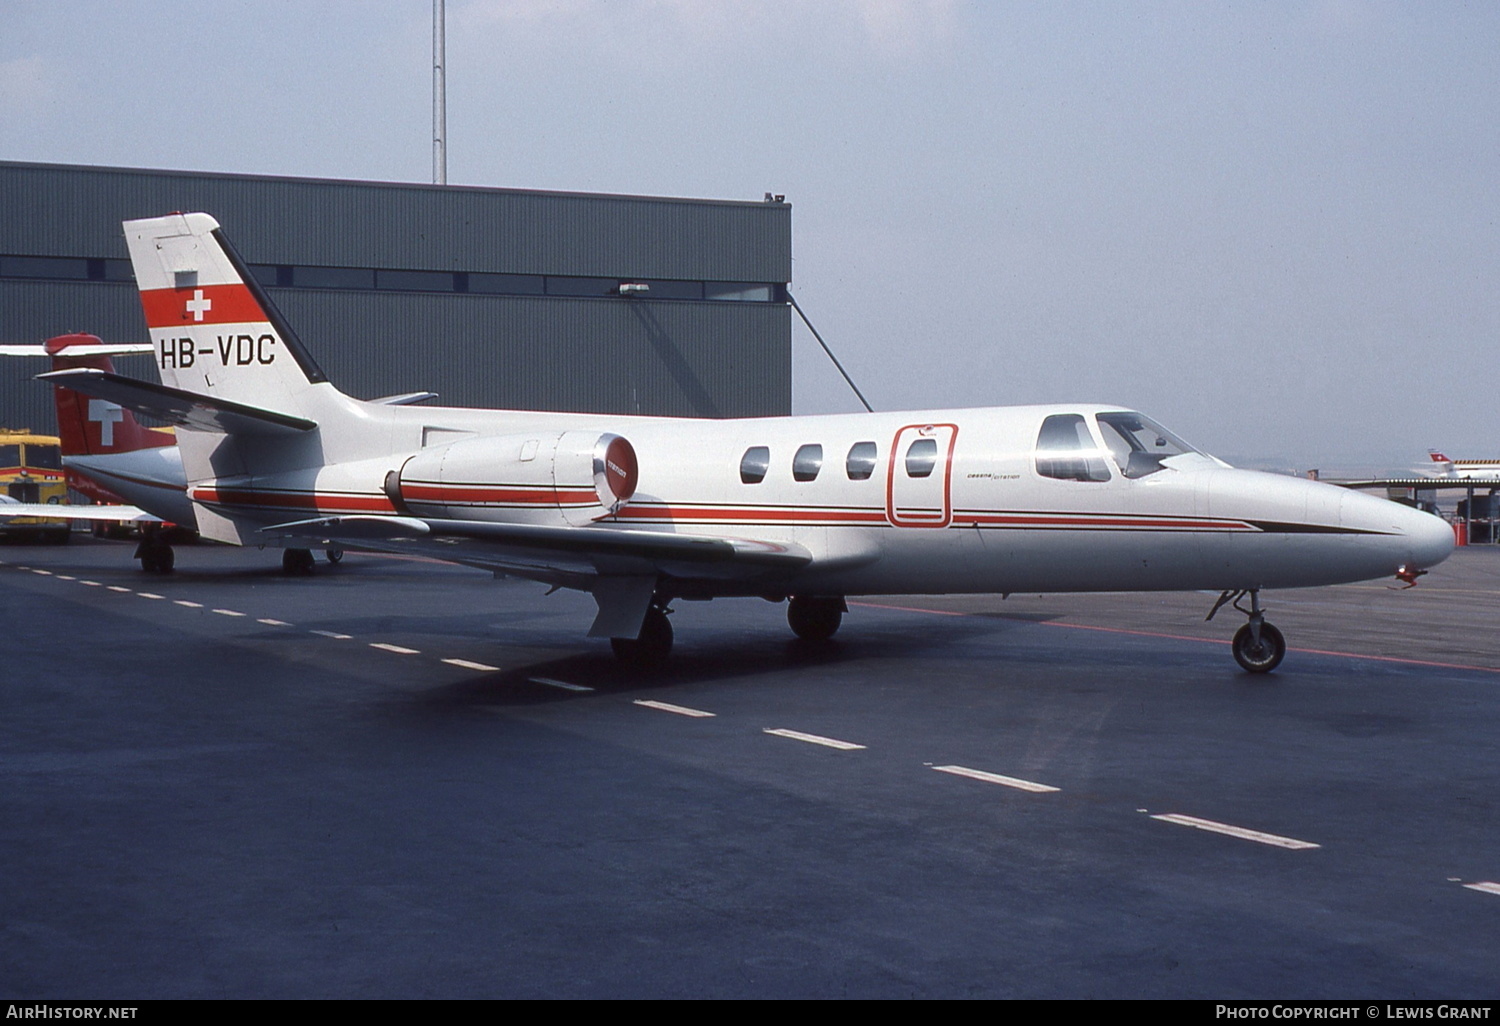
[576, 477]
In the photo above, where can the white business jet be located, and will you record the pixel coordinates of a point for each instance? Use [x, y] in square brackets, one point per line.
[641, 511]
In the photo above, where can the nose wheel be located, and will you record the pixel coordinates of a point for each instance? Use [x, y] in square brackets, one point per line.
[1258, 646]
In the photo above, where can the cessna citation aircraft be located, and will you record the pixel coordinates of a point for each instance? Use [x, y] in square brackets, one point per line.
[640, 511]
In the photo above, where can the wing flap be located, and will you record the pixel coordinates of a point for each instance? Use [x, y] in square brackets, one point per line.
[536, 550]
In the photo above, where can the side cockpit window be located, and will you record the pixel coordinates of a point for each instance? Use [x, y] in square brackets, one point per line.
[754, 464]
[1065, 450]
[1139, 445]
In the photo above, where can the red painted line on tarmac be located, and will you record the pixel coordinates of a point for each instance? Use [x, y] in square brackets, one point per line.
[1205, 641]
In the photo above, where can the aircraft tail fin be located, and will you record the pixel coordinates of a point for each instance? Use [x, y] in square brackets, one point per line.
[215, 330]
[1443, 463]
[89, 426]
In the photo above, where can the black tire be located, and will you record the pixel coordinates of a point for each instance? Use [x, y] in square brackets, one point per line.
[297, 562]
[334, 555]
[157, 558]
[814, 618]
[649, 649]
[1263, 658]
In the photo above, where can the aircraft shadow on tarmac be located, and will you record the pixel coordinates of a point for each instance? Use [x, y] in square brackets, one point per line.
[743, 656]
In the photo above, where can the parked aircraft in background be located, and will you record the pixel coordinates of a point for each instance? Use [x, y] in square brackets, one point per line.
[643, 511]
[1487, 471]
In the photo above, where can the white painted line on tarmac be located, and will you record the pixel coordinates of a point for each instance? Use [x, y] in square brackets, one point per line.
[44, 573]
[1485, 886]
[92, 584]
[65, 577]
[273, 623]
[399, 650]
[559, 684]
[680, 710]
[1234, 831]
[229, 612]
[469, 665]
[995, 778]
[116, 587]
[333, 634]
[185, 602]
[150, 595]
[816, 739]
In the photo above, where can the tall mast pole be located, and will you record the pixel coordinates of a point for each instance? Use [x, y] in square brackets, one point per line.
[439, 98]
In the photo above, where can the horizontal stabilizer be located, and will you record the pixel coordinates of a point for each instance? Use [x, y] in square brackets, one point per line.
[57, 511]
[404, 399]
[186, 409]
[105, 349]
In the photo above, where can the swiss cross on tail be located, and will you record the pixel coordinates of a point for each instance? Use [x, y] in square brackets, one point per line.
[198, 306]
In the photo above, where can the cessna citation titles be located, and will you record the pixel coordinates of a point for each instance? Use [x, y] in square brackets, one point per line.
[639, 511]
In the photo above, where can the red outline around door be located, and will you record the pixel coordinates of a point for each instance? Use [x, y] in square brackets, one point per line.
[921, 520]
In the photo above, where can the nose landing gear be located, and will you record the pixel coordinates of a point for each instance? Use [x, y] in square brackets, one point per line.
[1258, 646]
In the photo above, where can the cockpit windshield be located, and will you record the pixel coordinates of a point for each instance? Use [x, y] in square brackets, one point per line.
[1139, 445]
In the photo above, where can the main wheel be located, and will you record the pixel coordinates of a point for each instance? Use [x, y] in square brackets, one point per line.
[295, 562]
[813, 618]
[1262, 658]
[334, 555]
[156, 557]
[649, 649]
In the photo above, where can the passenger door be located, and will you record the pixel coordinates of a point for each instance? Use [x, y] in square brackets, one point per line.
[919, 484]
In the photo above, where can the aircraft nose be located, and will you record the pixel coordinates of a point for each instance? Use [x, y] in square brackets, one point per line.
[1426, 540]
[1431, 539]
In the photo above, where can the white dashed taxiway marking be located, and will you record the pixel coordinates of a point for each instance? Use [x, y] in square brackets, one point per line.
[827, 742]
[995, 778]
[229, 612]
[399, 650]
[116, 587]
[1234, 831]
[190, 605]
[272, 623]
[150, 595]
[92, 584]
[333, 634]
[468, 665]
[559, 684]
[1485, 886]
[680, 710]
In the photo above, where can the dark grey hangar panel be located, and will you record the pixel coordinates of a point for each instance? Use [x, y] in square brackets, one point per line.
[489, 297]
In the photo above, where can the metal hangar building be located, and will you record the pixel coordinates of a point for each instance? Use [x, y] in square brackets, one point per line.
[500, 298]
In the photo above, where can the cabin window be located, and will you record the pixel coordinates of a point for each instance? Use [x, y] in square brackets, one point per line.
[807, 462]
[754, 464]
[921, 457]
[861, 462]
[1065, 450]
[1138, 445]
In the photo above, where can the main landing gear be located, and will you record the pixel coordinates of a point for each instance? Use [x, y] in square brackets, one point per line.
[815, 617]
[300, 562]
[1258, 646]
[649, 649]
[154, 552]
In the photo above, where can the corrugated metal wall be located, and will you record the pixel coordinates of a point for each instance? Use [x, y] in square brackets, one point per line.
[633, 355]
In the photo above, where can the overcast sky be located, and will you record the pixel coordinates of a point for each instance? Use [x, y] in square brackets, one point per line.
[1271, 226]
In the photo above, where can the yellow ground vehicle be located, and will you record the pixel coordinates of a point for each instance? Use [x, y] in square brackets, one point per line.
[31, 470]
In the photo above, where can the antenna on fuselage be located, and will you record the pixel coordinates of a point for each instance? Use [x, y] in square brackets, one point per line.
[835, 359]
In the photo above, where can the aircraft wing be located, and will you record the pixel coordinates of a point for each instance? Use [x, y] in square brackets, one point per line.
[176, 406]
[591, 549]
[57, 511]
